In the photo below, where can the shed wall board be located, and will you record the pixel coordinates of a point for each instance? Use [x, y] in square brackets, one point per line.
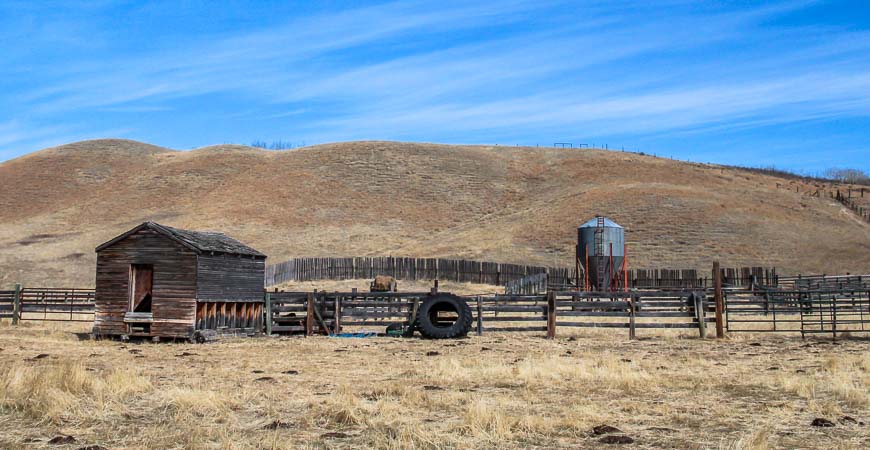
[174, 284]
[223, 277]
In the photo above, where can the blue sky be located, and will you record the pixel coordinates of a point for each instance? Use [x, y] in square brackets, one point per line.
[783, 83]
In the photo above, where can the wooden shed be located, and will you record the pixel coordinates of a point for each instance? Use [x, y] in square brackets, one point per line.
[159, 281]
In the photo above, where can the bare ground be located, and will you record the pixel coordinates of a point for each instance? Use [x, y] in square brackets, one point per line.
[667, 390]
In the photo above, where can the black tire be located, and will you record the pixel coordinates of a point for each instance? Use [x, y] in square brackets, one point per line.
[427, 317]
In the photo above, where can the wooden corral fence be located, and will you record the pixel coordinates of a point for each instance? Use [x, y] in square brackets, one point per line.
[9, 301]
[537, 283]
[825, 282]
[498, 274]
[808, 311]
[48, 304]
[328, 313]
[642, 309]
[692, 278]
[331, 312]
[847, 201]
[460, 270]
[676, 279]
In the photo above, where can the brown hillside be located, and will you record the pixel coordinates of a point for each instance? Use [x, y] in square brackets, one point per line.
[504, 204]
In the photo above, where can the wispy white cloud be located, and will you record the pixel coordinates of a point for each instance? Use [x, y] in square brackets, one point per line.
[480, 71]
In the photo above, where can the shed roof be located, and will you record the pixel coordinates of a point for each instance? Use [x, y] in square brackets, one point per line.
[199, 241]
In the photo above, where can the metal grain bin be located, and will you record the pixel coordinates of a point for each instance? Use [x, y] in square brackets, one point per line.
[601, 251]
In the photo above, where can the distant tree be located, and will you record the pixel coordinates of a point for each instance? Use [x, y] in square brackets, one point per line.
[281, 145]
[847, 175]
[275, 145]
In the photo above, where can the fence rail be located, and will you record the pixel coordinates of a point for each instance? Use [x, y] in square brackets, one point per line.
[48, 304]
[846, 199]
[825, 282]
[808, 311]
[7, 304]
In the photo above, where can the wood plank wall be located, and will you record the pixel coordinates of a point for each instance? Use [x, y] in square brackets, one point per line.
[460, 270]
[498, 274]
[174, 288]
[223, 277]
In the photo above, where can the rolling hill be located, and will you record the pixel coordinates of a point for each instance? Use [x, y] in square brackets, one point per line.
[507, 204]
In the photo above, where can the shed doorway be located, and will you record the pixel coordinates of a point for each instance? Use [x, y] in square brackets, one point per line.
[141, 283]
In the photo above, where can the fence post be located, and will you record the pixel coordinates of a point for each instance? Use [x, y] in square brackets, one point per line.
[632, 317]
[700, 313]
[551, 315]
[268, 314]
[309, 315]
[16, 305]
[337, 317]
[720, 300]
[479, 316]
[412, 319]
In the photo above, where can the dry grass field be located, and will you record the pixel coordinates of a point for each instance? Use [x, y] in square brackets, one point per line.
[666, 390]
[504, 204]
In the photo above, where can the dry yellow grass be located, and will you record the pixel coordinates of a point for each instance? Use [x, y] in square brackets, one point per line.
[502, 204]
[495, 391]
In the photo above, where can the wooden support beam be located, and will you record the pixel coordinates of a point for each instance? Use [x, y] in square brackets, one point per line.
[268, 306]
[720, 300]
[413, 319]
[336, 324]
[309, 316]
[258, 318]
[321, 323]
[16, 305]
[479, 316]
[700, 315]
[551, 315]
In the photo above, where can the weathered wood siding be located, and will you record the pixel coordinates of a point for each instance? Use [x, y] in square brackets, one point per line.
[174, 286]
[230, 278]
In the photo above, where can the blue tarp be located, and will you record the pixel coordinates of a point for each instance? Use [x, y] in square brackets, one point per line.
[361, 334]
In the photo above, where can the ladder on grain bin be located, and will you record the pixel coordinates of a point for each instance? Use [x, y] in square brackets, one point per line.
[599, 251]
